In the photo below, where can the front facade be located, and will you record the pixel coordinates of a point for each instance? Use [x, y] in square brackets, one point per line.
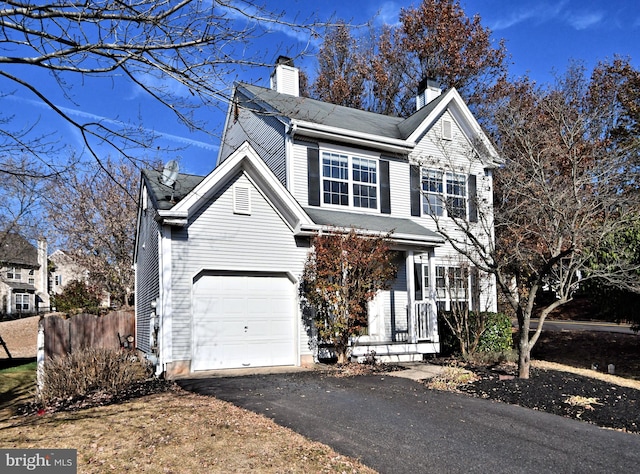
[219, 258]
[23, 276]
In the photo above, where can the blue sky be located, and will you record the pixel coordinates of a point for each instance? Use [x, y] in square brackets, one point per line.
[541, 37]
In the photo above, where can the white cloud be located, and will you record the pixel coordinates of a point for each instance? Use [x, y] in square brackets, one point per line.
[538, 12]
[582, 21]
[90, 117]
[387, 13]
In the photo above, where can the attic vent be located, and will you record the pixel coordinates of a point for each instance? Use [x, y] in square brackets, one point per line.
[447, 130]
[241, 199]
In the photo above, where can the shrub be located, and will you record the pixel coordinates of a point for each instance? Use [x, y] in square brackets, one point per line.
[497, 335]
[77, 296]
[83, 372]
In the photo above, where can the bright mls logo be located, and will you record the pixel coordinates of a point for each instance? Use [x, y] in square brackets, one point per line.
[50, 461]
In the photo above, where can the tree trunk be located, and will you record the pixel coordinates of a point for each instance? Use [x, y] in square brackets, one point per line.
[524, 346]
[524, 359]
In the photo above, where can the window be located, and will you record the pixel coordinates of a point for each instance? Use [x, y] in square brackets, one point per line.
[57, 280]
[451, 285]
[14, 274]
[32, 280]
[457, 195]
[349, 181]
[22, 302]
[432, 192]
[444, 194]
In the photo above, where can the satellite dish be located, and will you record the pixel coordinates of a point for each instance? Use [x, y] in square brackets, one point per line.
[170, 173]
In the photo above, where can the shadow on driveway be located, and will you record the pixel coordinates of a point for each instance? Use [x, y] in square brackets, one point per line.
[396, 425]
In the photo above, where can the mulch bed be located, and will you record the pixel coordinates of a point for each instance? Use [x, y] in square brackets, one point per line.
[604, 404]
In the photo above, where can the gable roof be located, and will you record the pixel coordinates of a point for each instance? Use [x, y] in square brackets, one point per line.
[16, 250]
[165, 197]
[302, 221]
[320, 119]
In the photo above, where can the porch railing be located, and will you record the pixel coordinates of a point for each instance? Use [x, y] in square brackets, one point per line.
[427, 320]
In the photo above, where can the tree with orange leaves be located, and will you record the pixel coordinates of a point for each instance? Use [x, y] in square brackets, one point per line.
[343, 272]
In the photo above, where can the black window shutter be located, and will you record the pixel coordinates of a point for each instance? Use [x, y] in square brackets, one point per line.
[473, 198]
[385, 188]
[414, 184]
[417, 271]
[313, 176]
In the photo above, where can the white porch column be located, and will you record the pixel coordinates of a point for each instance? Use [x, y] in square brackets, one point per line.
[411, 292]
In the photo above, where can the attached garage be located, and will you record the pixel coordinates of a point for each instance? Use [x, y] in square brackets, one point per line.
[243, 320]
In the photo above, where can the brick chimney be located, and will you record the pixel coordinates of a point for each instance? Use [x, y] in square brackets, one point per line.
[285, 77]
[428, 90]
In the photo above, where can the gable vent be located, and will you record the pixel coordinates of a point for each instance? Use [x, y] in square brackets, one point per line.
[241, 199]
[447, 130]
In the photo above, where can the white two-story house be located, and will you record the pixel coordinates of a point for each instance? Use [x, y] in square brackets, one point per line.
[219, 258]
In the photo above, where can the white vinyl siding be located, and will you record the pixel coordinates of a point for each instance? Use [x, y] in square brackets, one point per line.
[147, 277]
[218, 239]
[265, 133]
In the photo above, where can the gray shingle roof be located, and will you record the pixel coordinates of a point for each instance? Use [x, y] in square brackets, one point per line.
[324, 113]
[162, 195]
[371, 222]
[16, 250]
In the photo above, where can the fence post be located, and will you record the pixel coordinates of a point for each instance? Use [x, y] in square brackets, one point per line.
[40, 356]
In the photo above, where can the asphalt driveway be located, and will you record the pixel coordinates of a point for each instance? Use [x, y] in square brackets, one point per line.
[395, 425]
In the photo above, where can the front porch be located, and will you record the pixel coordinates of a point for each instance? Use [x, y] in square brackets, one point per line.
[411, 345]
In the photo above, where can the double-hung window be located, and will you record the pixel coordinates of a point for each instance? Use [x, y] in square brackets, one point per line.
[14, 274]
[432, 190]
[452, 287]
[350, 181]
[456, 195]
[22, 302]
[444, 194]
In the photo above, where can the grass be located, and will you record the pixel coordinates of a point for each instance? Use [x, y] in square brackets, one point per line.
[170, 432]
[17, 385]
[451, 378]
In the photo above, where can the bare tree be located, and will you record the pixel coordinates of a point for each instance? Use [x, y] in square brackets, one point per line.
[563, 193]
[94, 217]
[184, 54]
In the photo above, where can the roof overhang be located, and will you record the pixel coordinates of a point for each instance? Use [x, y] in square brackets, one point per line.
[329, 133]
[400, 232]
[246, 160]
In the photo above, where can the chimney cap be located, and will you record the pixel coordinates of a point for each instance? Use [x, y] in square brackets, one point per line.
[287, 61]
[428, 82]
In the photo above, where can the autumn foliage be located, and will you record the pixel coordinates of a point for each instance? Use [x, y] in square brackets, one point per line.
[381, 71]
[342, 273]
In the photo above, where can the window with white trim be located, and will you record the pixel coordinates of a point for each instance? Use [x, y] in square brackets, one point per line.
[14, 273]
[22, 301]
[451, 286]
[444, 194]
[350, 181]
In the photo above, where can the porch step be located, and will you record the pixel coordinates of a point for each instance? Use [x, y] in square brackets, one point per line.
[392, 358]
[395, 352]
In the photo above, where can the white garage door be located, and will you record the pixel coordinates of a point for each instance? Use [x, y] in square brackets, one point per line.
[243, 321]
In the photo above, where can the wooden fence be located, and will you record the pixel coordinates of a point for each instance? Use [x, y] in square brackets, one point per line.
[63, 336]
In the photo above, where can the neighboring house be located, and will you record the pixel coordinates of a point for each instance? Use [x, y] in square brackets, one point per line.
[23, 275]
[65, 269]
[219, 258]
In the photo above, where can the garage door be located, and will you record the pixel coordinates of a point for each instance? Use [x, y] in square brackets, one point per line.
[243, 320]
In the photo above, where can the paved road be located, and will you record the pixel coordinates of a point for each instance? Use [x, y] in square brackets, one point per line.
[395, 425]
[562, 325]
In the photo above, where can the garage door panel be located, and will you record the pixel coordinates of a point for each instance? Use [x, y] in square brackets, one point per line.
[243, 320]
